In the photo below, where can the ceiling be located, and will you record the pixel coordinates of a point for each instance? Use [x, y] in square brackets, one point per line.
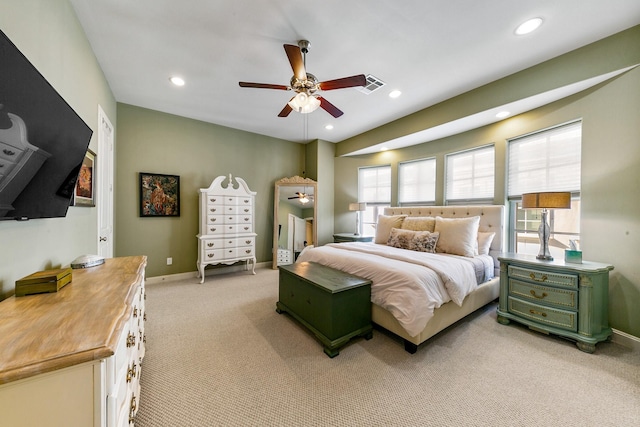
[430, 50]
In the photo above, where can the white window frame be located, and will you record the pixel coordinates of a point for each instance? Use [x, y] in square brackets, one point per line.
[564, 224]
[422, 183]
[478, 192]
[375, 205]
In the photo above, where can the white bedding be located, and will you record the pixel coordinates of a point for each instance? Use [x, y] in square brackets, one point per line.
[409, 284]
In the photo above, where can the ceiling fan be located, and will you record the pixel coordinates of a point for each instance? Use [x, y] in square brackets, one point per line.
[303, 198]
[306, 84]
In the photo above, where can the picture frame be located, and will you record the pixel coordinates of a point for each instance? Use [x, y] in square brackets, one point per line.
[84, 192]
[159, 195]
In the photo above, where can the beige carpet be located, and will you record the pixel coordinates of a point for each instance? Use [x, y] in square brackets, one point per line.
[219, 355]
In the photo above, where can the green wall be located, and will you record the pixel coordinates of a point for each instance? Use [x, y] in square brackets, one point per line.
[49, 35]
[610, 113]
[155, 142]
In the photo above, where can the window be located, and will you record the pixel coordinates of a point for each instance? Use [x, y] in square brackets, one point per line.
[548, 160]
[417, 182]
[470, 176]
[374, 188]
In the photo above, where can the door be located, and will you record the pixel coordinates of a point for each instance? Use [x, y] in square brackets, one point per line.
[105, 185]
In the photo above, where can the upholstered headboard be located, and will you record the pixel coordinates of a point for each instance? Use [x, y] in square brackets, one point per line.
[491, 220]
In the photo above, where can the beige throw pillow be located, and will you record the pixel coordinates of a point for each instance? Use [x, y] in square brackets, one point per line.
[421, 241]
[419, 223]
[384, 226]
[484, 242]
[458, 236]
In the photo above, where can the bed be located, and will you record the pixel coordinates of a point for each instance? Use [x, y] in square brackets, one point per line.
[417, 293]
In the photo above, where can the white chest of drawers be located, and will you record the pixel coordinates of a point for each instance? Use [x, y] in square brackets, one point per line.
[227, 224]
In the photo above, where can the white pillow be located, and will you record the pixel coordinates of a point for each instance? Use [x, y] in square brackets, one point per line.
[419, 223]
[484, 242]
[458, 236]
[384, 226]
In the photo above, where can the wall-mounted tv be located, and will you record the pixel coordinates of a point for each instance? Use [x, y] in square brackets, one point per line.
[42, 141]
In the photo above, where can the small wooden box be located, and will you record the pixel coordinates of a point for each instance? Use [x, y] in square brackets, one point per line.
[43, 281]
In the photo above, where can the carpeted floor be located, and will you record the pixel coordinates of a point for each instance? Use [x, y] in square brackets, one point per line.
[219, 355]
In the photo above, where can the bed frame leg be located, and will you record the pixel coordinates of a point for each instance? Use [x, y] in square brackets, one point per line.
[410, 347]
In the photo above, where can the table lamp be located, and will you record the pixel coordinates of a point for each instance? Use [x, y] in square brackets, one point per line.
[545, 201]
[357, 207]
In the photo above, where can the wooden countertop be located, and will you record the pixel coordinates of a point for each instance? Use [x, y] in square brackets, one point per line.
[79, 323]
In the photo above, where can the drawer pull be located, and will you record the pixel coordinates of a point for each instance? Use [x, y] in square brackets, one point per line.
[131, 372]
[210, 255]
[247, 219]
[533, 292]
[135, 312]
[543, 278]
[213, 209]
[246, 228]
[213, 219]
[213, 200]
[9, 152]
[131, 340]
[132, 410]
[539, 313]
[248, 251]
[213, 229]
[247, 241]
[144, 317]
[210, 245]
[246, 200]
[246, 210]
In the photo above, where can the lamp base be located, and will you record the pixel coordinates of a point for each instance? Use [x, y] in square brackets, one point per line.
[545, 257]
[543, 233]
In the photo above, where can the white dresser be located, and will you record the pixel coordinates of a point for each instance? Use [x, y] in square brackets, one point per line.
[227, 227]
[73, 358]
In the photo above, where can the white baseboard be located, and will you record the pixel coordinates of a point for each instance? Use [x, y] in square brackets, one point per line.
[626, 340]
[209, 272]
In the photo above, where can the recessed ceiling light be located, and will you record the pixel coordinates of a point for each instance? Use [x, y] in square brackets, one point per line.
[528, 26]
[328, 127]
[394, 94]
[178, 81]
[502, 114]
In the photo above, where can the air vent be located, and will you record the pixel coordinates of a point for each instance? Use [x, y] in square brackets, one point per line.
[373, 84]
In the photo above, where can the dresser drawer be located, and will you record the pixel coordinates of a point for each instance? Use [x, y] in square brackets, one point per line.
[555, 317]
[211, 244]
[544, 295]
[9, 152]
[214, 199]
[544, 277]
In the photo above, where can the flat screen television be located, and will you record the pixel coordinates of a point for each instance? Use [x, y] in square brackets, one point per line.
[42, 141]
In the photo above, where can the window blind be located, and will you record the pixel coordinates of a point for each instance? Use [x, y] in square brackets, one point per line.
[374, 184]
[545, 161]
[470, 175]
[417, 181]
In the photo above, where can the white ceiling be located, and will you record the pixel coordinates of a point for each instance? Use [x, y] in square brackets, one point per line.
[430, 50]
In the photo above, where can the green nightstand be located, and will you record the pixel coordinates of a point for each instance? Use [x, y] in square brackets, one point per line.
[335, 306]
[557, 297]
[350, 237]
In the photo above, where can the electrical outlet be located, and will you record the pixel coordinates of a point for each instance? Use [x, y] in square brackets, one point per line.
[169, 261]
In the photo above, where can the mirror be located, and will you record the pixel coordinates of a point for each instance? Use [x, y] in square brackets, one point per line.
[294, 218]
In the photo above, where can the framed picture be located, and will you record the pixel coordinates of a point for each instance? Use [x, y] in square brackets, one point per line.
[84, 193]
[159, 195]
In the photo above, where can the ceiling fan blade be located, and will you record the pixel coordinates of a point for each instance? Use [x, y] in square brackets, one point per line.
[359, 80]
[263, 86]
[295, 59]
[286, 110]
[329, 107]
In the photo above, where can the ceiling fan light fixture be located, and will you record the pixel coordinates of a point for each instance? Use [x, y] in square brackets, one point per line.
[304, 199]
[304, 103]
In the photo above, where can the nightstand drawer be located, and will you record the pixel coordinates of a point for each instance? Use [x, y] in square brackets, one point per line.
[545, 295]
[555, 317]
[544, 277]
